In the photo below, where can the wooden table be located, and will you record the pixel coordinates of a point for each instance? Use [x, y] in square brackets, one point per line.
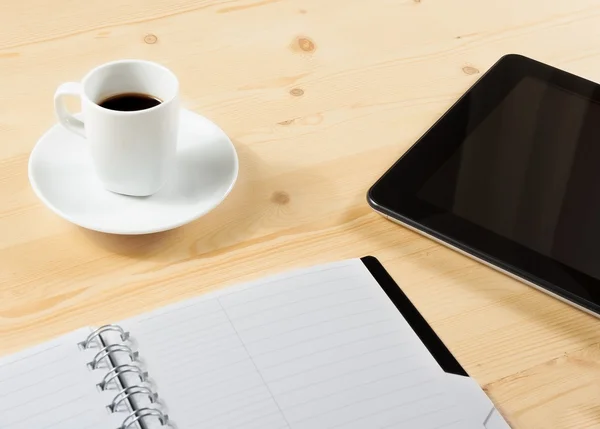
[319, 97]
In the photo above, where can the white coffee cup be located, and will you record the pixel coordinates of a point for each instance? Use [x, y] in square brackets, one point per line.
[133, 152]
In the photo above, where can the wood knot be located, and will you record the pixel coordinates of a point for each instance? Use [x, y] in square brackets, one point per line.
[150, 39]
[280, 197]
[305, 44]
[470, 70]
[297, 92]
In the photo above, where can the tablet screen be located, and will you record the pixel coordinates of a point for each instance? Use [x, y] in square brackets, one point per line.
[530, 172]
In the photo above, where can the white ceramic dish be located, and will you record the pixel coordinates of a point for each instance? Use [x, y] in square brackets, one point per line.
[62, 176]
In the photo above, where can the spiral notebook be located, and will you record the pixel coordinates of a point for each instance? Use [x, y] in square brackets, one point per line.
[333, 346]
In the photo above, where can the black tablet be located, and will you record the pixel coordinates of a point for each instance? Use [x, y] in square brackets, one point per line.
[510, 175]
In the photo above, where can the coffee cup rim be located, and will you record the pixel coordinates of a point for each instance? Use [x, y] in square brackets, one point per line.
[96, 69]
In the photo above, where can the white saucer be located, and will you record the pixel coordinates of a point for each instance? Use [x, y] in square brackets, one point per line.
[62, 175]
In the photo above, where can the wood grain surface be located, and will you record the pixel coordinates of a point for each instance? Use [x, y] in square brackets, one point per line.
[319, 97]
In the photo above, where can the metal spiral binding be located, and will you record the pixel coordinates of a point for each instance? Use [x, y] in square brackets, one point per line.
[137, 415]
[96, 334]
[120, 370]
[110, 379]
[112, 348]
[129, 392]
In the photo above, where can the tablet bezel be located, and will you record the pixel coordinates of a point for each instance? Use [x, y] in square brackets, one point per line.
[394, 194]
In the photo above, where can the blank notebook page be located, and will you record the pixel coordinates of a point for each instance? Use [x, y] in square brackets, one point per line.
[317, 348]
[50, 387]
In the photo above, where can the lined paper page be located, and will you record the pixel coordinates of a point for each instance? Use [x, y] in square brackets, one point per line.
[202, 370]
[318, 348]
[335, 352]
[50, 387]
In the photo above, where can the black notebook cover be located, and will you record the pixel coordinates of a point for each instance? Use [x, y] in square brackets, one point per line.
[433, 343]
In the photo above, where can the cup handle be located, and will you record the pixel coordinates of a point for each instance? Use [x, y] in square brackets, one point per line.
[64, 116]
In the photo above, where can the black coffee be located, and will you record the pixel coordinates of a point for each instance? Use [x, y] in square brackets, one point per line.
[130, 102]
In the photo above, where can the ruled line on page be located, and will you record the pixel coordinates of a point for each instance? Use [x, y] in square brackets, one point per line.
[252, 360]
